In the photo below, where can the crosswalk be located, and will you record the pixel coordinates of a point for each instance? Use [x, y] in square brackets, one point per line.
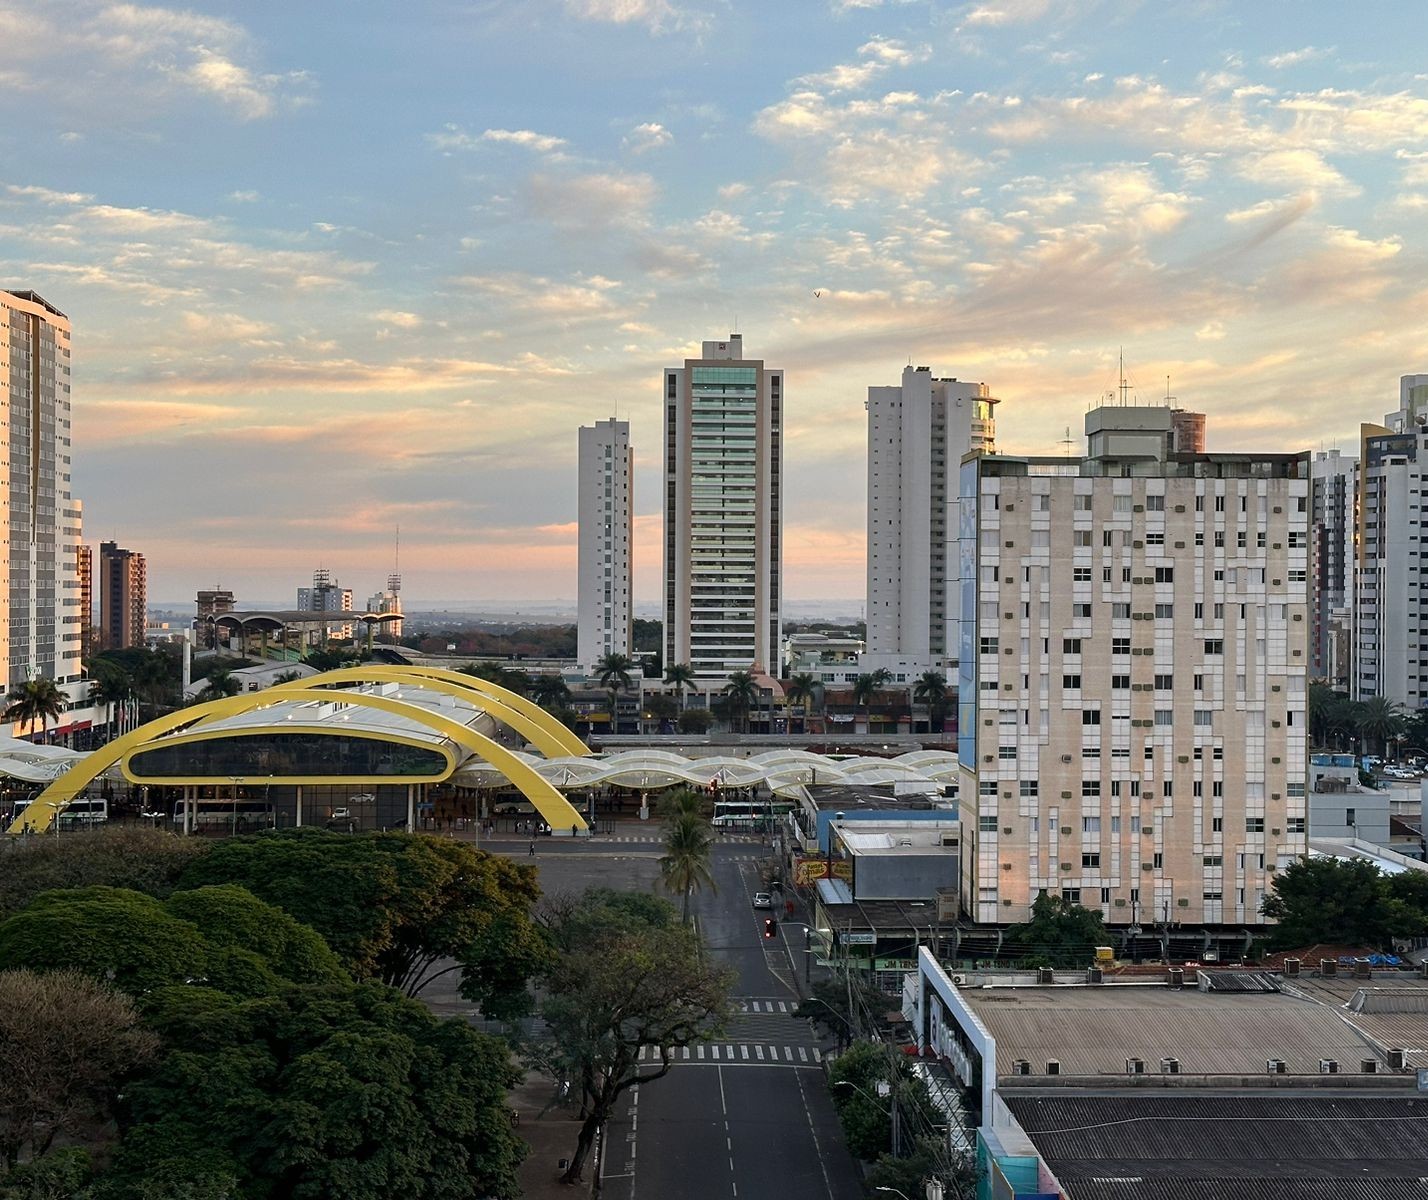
[746, 1053]
[766, 1006]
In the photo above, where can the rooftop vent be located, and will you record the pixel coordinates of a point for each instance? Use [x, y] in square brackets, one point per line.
[1021, 1067]
[1274, 1066]
[1053, 1066]
[1176, 977]
[1291, 968]
[1368, 1066]
[1170, 1066]
[1045, 975]
[1135, 1066]
[1328, 1066]
[1328, 967]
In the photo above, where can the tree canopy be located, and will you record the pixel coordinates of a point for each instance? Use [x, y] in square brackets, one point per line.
[1060, 933]
[393, 905]
[1345, 902]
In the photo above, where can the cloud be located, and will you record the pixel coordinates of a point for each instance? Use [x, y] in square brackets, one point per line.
[1295, 58]
[452, 138]
[876, 57]
[593, 201]
[1297, 169]
[658, 16]
[648, 136]
[402, 320]
[1007, 12]
[565, 301]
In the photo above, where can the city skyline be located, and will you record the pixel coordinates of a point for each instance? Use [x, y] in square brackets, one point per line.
[305, 338]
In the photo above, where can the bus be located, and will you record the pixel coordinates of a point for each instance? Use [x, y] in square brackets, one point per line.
[242, 816]
[83, 812]
[758, 815]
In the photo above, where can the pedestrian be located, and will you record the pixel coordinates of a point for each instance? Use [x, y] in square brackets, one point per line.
[574, 830]
[531, 852]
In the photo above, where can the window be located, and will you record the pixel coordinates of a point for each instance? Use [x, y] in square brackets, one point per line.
[1120, 683]
[1080, 612]
[1006, 753]
[989, 645]
[1164, 574]
[1028, 787]
[1165, 683]
[1120, 645]
[1081, 537]
[1080, 574]
[1199, 682]
[1155, 539]
[1105, 574]
[1217, 825]
[1219, 504]
[1219, 537]
[1204, 717]
[1090, 862]
[1294, 824]
[1296, 576]
[1091, 716]
[1164, 612]
[1213, 897]
[1214, 646]
[1240, 541]
[1155, 504]
[1041, 503]
[1197, 788]
[1164, 716]
[1071, 683]
[987, 787]
[1199, 537]
[1091, 787]
[1090, 824]
[1158, 861]
[1167, 788]
[1071, 895]
[1199, 503]
[1213, 860]
[1218, 753]
[1254, 824]
[1071, 646]
[987, 824]
[1090, 752]
[1120, 611]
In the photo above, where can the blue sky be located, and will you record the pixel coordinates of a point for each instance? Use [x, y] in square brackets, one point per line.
[339, 267]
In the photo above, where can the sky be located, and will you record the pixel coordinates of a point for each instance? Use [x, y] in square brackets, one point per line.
[339, 267]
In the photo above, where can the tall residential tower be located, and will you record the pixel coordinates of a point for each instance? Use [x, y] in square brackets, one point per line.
[1333, 509]
[606, 531]
[917, 436]
[723, 512]
[123, 597]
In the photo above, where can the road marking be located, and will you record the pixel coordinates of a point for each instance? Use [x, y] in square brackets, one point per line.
[759, 1050]
[728, 1051]
[818, 1150]
[802, 1054]
[686, 1053]
[745, 1049]
[700, 1049]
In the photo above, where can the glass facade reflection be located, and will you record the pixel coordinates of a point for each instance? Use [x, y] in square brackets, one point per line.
[287, 755]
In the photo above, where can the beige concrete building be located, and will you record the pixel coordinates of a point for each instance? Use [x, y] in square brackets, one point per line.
[1133, 676]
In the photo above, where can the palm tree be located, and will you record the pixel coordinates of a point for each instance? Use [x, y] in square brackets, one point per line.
[109, 685]
[614, 673]
[221, 684]
[931, 690]
[287, 677]
[510, 678]
[681, 675]
[865, 688]
[680, 802]
[550, 692]
[1379, 720]
[35, 700]
[801, 690]
[686, 862]
[742, 694]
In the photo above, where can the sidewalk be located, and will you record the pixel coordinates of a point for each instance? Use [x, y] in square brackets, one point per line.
[550, 1138]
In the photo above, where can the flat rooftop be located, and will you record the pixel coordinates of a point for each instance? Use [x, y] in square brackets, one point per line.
[874, 798]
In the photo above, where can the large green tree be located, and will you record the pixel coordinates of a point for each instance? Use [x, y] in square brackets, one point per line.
[395, 905]
[681, 676]
[741, 693]
[352, 1091]
[1379, 721]
[146, 860]
[1333, 901]
[1060, 933]
[35, 700]
[802, 689]
[627, 976]
[613, 671]
[931, 690]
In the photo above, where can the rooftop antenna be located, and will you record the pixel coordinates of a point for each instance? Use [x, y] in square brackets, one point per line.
[1068, 441]
[1169, 399]
[1124, 385]
[394, 580]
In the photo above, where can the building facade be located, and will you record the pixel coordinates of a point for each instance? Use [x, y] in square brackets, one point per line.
[604, 623]
[918, 433]
[84, 581]
[1390, 657]
[123, 596]
[327, 596]
[1132, 678]
[723, 511]
[1334, 514]
[210, 603]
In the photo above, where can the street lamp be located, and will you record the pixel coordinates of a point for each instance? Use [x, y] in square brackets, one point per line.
[893, 1190]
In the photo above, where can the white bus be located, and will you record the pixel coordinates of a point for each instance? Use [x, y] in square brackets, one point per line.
[748, 814]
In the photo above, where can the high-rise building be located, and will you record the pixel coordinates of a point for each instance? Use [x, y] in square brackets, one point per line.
[1390, 601]
[84, 573]
[1333, 508]
[211, 602]
[918, 433]
[1132, 683]
[39, 609]
[723, 511]
[1187, 431]
[606, 533]
[327, 596]
[388, 601]
[123, 597]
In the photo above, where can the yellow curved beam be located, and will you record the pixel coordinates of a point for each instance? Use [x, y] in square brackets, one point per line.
[542, 730]
[551, 805]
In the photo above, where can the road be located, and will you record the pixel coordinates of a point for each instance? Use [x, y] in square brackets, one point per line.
[747, 1116]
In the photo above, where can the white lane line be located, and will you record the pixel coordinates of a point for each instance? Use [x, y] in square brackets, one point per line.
[700, 1050]
[745, 1049]
[817, 1149]
[759, 1050]
[802, 1054]
[817, 1054]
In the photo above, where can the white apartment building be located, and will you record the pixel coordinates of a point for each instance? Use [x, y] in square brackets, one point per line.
[1390, 658]
[606, 535]
[1333, 516]
[41, 622]
[918, 433]
[1132, 677]
[327, 596]
[723, 512]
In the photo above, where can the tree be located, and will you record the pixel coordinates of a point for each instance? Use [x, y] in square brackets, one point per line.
[741, 693]
[1332, 901]
[550, 692]
[1379, 720]
[626, 977]
[1059, 932]
[613, 671]
[865, 690]
[931, 1159]
[1322, 702]
[801, 689]
[34, 700]
[144, 860]
[827, 1006]
[681, 676]
[350, 1091]
[287, 677]
[225, 937]
[662, 707]
[221, 684]
[685, 864]
[110, 685]
[394, 905]
[695, 720]
[931, 690]
[68, 1043]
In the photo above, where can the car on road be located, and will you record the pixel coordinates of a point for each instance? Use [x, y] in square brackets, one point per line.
[763, 900]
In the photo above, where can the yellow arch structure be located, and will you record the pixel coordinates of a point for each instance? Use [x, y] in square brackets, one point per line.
[41, 812]
[531, 721]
